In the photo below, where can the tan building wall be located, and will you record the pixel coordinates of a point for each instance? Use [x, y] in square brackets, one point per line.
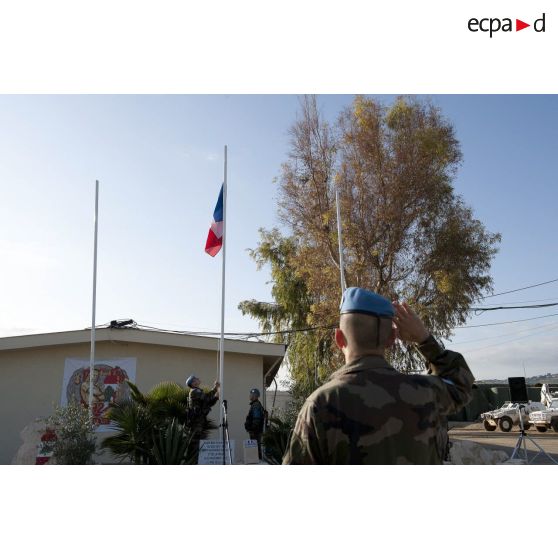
[31, 381]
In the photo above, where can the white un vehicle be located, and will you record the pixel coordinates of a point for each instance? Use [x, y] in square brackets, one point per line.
[508, 415]
[547, 417]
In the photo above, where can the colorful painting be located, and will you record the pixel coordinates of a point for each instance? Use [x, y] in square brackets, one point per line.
[109, 385]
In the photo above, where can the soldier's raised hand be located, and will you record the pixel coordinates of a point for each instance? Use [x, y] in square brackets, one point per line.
[409, 326]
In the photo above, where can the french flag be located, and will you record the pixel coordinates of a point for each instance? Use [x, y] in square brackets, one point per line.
[215, 236]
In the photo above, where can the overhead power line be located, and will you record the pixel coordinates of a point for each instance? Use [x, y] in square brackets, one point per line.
[300, 330]
[483, 339]
[508, 322]
[476, 349]
[529, 301]
[234, 333]
[315, 328]
[514, 307]
[522, 288]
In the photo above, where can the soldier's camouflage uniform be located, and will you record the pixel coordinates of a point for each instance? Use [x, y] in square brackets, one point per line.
[200, 404]
[368, 413]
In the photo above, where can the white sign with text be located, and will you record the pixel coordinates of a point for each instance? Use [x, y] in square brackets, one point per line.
[251, 452]
[211, 452]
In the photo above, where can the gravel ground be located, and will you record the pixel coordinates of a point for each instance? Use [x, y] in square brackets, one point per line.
[474, 432]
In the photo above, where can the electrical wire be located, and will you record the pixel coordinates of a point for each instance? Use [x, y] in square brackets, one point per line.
[521, 289]
[521, 332]
[508, 322]
[257, 335]
[508, 341]
[529, 301]
[289, 331]
[233, 333]
[513, 307]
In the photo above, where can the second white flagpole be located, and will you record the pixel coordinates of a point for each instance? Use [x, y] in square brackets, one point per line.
[222, 343]
[92, 355]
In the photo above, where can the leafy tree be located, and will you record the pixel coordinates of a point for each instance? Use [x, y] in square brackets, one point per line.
[309, 351]
[406, 233]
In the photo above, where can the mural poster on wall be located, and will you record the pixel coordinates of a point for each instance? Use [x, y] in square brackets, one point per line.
[109, 385]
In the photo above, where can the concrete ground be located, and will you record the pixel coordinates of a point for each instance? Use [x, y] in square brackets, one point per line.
[474, 432]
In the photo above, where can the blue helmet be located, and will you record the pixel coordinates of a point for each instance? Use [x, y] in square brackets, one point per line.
[255, 391]
[190, 379]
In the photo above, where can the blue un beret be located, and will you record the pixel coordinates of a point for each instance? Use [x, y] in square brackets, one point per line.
[361, 301]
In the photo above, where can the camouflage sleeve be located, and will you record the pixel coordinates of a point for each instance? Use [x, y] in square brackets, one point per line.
[304, 448]
[210, 398]
[195, 396]
[451, 377]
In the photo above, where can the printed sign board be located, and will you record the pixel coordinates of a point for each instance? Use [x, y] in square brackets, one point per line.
[251, 452]
[211, 452]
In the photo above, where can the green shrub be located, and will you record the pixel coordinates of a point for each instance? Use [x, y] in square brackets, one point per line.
[75, 435]
[276, 439]
[156, 428]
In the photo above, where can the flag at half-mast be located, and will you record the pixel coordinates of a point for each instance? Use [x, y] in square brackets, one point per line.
[215, 237]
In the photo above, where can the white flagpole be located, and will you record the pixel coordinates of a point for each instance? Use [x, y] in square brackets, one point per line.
[222, 343]
[341, 264]
[92, 356]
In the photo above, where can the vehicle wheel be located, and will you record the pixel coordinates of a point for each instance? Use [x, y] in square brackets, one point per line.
[488, 426]
[554, 425]
[505, 424]
[542, 428]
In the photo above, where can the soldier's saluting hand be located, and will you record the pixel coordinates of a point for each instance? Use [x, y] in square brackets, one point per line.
[408, 325]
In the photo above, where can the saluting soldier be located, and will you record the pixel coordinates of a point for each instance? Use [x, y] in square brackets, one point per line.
[369, 413]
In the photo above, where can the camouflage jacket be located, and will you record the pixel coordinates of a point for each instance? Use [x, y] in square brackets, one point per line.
[201, 402]
[255, 419]
[368, 413]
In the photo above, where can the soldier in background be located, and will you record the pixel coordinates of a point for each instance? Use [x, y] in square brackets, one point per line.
[255, 420]
[368, 413]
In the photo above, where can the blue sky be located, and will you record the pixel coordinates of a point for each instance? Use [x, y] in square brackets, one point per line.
[160, 164]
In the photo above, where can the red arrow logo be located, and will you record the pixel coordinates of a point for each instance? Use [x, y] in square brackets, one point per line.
[519, 25]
